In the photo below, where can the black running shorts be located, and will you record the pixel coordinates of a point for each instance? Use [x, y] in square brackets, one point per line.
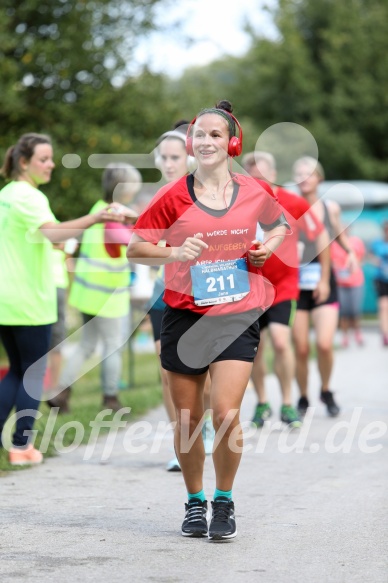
[281, 313]
[190, 341]
[307, 302]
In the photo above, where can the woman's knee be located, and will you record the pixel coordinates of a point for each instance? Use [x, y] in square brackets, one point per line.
[325, 347]
[188, 421]
[281, 346]
[302, 351]
[226, 418]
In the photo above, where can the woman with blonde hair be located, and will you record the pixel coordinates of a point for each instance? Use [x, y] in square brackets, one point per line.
[308, 173]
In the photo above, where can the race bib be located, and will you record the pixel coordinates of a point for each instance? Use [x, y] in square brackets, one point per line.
[309, 275]
[220, 282]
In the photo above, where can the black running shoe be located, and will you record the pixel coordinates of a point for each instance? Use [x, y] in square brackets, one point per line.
[223, 523]
[302, 406]
[195, 523]
[332, 407]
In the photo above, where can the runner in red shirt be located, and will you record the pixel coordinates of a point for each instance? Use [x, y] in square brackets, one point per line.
[214, 290]
[322, 317]
[282, 271]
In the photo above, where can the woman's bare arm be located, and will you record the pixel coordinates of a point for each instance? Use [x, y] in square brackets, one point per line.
[141, 251]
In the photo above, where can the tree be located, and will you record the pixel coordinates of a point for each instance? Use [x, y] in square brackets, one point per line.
[63, 72]
[326, 71]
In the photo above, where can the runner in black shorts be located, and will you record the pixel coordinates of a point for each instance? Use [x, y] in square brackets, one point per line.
[281, 270]
[215, 291]
[308, 173]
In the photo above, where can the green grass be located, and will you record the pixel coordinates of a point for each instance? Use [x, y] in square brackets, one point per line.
[86, 400]
[86, 403]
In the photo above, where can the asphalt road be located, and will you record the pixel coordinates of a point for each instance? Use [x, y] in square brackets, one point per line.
[311, 505]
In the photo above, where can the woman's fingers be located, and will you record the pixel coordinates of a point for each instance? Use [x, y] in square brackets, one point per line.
[192, 248]
[258, 255]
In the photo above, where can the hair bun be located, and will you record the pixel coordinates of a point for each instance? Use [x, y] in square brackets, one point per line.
[179, 123]
[225, 105]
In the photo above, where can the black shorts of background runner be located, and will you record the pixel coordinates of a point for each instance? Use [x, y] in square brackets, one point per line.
[281, 313]
[190, 341]
[381, 287]
[307, 302]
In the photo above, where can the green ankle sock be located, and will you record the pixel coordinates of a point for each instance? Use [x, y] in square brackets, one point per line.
[199, 495]
[224, 493]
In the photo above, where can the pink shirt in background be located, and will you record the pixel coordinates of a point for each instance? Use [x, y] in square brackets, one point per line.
[115, 236]
[339, 257]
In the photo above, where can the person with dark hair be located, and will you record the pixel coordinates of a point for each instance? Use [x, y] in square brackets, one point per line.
[214, 291]
[100, 291]
[28, 307]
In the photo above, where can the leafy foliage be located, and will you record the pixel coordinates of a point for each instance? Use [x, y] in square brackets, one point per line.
[325, 69]
[65, 71]
[63, 67]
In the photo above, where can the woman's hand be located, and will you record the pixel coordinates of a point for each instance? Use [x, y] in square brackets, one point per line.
[115, 213]
[130, 215]
[352, 262]
[190, 250]
[108, 214]
[259, 254]
[322, 291]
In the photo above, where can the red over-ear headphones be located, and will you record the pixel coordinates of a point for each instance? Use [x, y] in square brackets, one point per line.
[235, 143]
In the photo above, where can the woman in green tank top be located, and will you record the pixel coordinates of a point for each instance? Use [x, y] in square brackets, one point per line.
[27, 288]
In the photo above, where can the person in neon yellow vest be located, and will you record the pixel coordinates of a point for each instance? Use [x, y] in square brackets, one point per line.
[100, 291]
